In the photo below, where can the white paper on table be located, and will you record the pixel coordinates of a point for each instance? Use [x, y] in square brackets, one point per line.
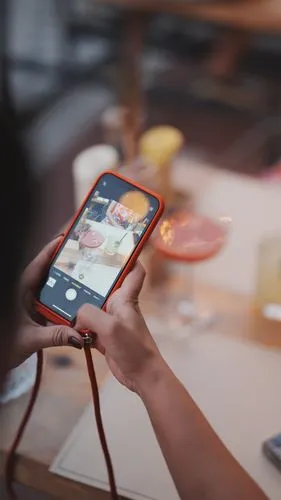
[236, 385]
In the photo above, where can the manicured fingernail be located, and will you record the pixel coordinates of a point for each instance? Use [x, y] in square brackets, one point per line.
[74, 342]
[58, 236]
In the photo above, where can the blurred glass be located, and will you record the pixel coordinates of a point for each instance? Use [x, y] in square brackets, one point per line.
[268, 292]
[142, 172]
[158, 146]
[184, 239]
[112, 245]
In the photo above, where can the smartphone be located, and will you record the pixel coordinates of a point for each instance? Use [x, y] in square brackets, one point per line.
[99, 248]
[272, 450]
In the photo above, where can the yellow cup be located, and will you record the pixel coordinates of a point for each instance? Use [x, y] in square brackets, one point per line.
[158, 146]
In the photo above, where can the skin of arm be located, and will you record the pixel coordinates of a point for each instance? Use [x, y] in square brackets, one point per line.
[200, 465]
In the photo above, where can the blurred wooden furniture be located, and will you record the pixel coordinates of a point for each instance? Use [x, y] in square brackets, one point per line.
[240, 18]
[255, 16]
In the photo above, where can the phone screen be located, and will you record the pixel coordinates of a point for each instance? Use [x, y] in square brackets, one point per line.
[112, 222]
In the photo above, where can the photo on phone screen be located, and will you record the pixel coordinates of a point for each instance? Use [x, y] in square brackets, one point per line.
[114, 219]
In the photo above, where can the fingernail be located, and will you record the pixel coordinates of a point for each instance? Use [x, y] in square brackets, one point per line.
[74, 342]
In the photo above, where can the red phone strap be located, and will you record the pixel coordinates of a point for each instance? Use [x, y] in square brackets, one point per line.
[11, 457]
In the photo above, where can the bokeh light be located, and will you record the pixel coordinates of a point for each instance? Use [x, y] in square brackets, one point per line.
[137, 202]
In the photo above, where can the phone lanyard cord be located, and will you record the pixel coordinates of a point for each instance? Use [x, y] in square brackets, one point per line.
[96, 402]
[11, 456]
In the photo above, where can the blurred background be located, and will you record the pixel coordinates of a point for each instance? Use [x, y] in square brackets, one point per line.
[185, 97]
[217, 83]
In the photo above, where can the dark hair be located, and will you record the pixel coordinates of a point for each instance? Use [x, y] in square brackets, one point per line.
[15, 203]
[15, 212]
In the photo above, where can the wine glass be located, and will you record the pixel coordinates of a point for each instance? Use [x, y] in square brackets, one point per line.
[184, 239]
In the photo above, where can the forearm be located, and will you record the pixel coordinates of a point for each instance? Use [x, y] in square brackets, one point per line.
[201, 466]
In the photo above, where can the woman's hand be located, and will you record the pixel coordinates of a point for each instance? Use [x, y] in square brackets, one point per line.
[32, 334]
[122, 334]
[187, 441]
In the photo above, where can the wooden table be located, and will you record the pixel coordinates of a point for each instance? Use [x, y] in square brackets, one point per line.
[66, 391]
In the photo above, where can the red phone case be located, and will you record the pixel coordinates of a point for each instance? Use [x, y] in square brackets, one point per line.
[56, 318]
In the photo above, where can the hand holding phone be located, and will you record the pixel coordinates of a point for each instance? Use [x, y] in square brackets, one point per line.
[99, 248]
[122, 334]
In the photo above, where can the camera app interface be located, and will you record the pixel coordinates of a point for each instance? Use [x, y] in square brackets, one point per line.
[99, 244]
